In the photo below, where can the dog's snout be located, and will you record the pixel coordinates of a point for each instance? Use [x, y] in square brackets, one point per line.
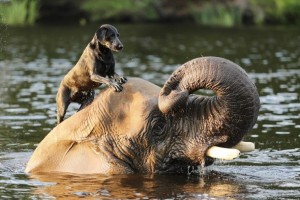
[120, 46]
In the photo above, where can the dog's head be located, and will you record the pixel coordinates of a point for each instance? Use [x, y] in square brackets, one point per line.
[108, 36]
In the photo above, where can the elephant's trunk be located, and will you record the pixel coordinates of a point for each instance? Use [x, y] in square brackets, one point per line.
[232, 111]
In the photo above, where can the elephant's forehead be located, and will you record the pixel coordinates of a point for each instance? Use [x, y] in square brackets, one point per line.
[130, 108]
[136, 95]
[142, 86]
[135, 90]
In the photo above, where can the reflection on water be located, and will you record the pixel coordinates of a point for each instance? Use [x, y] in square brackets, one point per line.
[35, 59]
[139, 186]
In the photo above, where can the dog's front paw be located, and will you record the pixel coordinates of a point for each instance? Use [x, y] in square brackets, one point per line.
[122, 80]
[118, 87]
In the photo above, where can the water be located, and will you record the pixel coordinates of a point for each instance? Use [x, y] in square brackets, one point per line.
[33, 60]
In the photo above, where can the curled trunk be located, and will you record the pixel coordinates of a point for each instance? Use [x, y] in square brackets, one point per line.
[231, 112]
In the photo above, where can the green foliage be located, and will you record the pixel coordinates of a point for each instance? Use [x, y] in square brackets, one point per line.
[103, 9]
[217, 15]
[280, 11]
[18, 12]
[290, 9]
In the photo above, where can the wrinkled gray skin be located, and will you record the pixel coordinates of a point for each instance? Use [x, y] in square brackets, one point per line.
[155, 130]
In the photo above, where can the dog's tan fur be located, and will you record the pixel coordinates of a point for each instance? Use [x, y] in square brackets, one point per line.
[95, 63]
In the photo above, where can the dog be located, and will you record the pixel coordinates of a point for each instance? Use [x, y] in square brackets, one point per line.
[95, 64]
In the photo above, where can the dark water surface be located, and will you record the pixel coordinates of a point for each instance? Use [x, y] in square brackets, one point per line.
[34, 60]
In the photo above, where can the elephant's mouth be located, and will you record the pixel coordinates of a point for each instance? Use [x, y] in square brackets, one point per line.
[185, 166]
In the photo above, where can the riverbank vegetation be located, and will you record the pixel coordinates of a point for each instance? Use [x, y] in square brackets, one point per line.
[18, 12]
[204, 12]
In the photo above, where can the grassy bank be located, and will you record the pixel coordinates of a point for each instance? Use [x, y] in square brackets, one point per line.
[18, 12]
[120, 10]
[217, 15]
[221, 13]
[276, 11]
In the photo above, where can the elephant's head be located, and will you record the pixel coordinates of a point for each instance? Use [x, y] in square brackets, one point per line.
[150, 129]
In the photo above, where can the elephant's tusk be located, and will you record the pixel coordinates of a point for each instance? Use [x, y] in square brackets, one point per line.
[245, 146]
[222, 153]
[230, 153]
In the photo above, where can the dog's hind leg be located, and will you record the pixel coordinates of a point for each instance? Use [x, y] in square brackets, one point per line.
[63, 100]
[88, 99]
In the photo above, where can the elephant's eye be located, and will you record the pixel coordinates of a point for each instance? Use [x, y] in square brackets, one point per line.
[158, 126]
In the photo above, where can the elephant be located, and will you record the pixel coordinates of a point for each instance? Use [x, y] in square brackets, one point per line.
[148, 129]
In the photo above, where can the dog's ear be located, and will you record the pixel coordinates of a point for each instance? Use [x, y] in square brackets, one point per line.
[100, 33]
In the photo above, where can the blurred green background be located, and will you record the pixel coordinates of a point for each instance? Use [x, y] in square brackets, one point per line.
[204, 12]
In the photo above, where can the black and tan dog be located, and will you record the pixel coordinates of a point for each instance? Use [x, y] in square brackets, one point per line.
[95, 64]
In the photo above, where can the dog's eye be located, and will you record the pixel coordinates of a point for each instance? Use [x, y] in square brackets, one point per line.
[109, 37]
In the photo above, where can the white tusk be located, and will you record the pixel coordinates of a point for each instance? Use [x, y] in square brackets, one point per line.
[222, 153]
[245, 146]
